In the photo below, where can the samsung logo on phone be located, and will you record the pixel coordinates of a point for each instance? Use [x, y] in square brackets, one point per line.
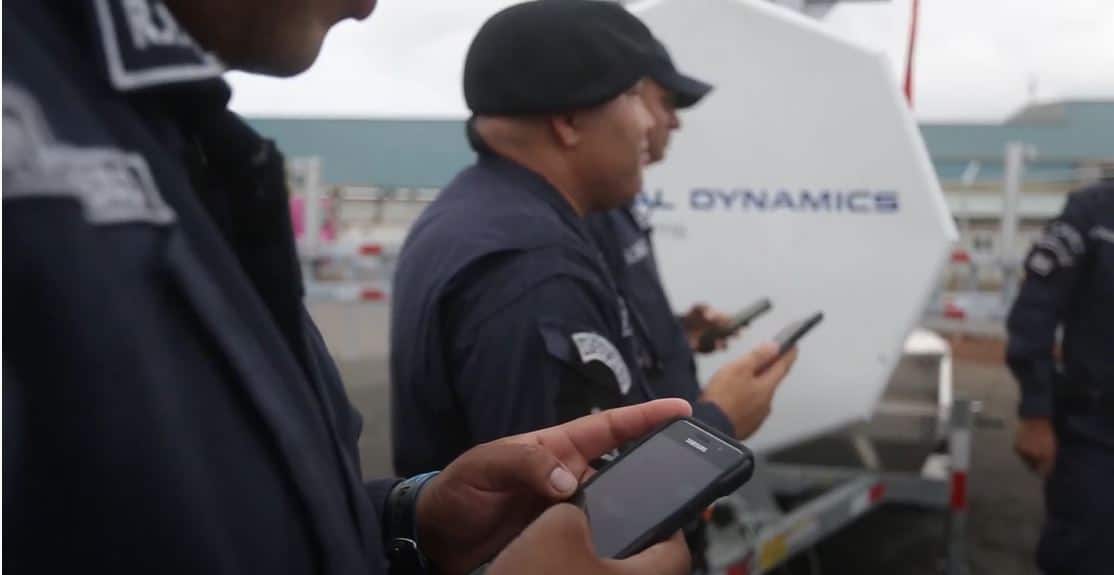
[696, 445]
[799, 200]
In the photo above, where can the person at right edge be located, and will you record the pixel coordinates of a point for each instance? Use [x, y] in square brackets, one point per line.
[1066, 432]
[664, 342]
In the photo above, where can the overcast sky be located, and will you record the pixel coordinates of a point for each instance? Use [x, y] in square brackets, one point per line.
[976, 59]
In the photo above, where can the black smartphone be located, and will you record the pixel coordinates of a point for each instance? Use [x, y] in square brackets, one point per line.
[738, 321]
[661, 484]
[791, 334]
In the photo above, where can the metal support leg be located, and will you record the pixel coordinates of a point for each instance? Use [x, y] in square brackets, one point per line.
[959, 446]
[864, 448]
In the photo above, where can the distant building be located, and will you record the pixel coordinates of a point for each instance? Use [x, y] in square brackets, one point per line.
[1072, 143]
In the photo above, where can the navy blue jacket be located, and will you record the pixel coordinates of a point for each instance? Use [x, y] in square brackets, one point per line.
[1069, 283]
[169, 406]
[505, 319]
[623, 236]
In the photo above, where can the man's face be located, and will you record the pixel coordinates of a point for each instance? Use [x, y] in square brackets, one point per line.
[277, 37]
[663, 107]
[613, 148]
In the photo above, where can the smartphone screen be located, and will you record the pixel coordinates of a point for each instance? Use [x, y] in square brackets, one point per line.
[635, 501]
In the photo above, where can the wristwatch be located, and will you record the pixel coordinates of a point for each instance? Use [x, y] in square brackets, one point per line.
[401, 527]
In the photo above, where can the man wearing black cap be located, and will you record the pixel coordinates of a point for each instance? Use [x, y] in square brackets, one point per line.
[736, 400]
[506, 315]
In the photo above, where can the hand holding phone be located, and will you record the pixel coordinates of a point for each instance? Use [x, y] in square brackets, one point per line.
[708, 339]
[744, 388]
[659, 485]
[790, 335]
[488, 495]
[559, 542]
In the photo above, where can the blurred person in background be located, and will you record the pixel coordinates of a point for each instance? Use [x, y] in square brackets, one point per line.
[1066, 432]
[664, 343]
[735, 401]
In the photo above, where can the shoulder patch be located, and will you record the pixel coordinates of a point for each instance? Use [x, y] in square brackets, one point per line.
[1102, 233]
[594, 347]
[637, 251]
[113, 186]
[1060, 241]
[641, 217]
[1041, 263]
[1067, 235]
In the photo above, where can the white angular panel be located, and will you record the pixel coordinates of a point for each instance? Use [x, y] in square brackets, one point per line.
[802, 177]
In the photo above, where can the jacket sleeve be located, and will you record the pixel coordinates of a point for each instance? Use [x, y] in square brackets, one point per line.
[1052, 270]
[546, 354]
[711, 414]
[377, 491]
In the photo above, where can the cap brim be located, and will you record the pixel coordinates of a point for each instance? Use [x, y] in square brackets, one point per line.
[687, 91]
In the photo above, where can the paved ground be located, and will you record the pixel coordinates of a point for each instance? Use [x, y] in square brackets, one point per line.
[1005, 504]
[1004, 498]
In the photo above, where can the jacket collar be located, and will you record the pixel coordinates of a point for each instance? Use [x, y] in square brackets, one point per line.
[144, 46]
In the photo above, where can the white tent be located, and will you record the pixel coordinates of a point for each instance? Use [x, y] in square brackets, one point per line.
[802, 177]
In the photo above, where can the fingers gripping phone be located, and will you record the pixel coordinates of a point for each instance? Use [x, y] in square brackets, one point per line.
[664, 482]
[791, 334]
[738, 321]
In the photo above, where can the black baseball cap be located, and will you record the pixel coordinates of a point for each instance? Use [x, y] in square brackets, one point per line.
[554, 56]
[686, 90]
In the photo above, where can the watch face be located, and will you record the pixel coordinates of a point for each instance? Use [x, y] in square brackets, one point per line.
[404, 556]
[403, 545]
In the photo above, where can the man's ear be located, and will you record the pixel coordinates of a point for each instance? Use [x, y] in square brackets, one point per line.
[566, 130]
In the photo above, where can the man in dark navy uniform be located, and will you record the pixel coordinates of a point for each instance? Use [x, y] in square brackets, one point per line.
[506, 317]
[169, 406]
[1067, 407]
[664, 343]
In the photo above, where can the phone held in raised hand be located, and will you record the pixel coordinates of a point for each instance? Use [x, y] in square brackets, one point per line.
[791, 334]
[738, 321]
[662, 483]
